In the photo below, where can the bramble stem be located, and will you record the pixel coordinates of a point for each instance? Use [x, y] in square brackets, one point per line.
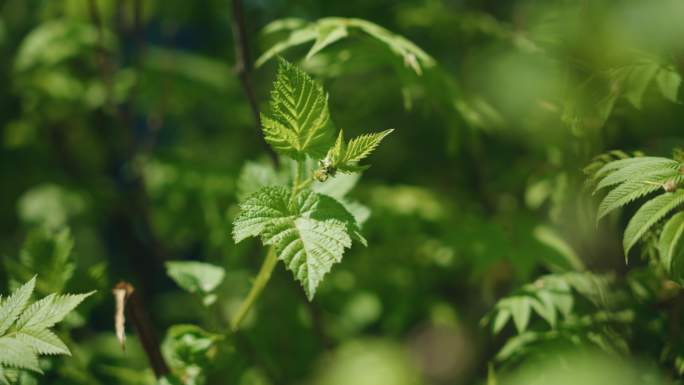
[257, 287]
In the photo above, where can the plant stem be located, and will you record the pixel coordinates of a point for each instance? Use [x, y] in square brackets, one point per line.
[257, 287]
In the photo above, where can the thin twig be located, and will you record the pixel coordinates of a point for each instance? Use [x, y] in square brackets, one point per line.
[138, 316]
[243, 68]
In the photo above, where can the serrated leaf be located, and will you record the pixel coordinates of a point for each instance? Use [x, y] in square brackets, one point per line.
[309, 234]
[359, 148]
[648, 215]
[195, 277]
[15, 304]
[309, 248]
[48, 311]
[322, 207]
[670, 243]
[637, 169]
[298, 123]
[259, 210]
[42, 341]
[632, 190]
[621, 163]
[16, 354]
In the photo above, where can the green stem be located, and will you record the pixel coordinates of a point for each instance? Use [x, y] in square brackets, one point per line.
[257, 287]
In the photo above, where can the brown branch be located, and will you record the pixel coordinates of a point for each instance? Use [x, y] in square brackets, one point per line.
[243, 68]
[128, 299]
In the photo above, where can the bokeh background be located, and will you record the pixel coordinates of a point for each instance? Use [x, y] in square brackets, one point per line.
[124, 121]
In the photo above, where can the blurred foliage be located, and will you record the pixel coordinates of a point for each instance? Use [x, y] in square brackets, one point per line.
[127, 141]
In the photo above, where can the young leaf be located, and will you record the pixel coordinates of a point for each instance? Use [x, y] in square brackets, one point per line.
[648, 215]
[299, 122]
[359, 148]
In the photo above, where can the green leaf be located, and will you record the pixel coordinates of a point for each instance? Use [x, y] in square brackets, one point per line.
[637, 169]
[345, 156]
[621, 163]
[309, 234]
[545, 308]
[16, 354]
[309, 248]
[48, 311]
[15, 304]
[298, 123]
[48, 254]
[648, 215]
[195, 277]
[328, 30]
[501, 319]
[669, 81]
[186, 346]
[634, 189]
[359, 148]
[637, 78]
[43, 341]
[302, 32]
[520, 310]
[260, 210]
[326, 35]
[670, 244]
[256, 175]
